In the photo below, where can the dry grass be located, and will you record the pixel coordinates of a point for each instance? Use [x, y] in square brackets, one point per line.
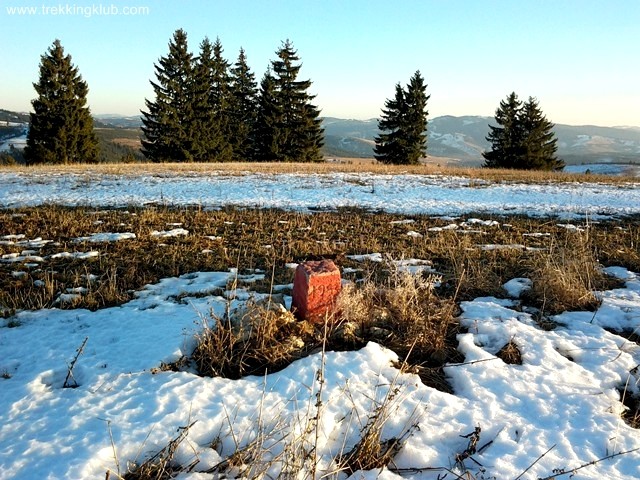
[567, 276]
[263, 337]
[510, 354]
[371, 451]
[161, 465]
[564, 265]
[632, 415]
[342, 165]
[403, 314]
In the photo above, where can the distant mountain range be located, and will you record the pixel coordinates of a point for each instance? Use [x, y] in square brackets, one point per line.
[461, 140]
[452, 140]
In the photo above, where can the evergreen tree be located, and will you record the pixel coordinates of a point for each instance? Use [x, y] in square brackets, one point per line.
[390, 146]
[507, 138]
[299, 135]
[268, 119]
[540, 144]
[221, 105]
[61, 126]
[403, 125]
[524, 138]
[211, 104]
[416, 119]
[169, 120]
[243, 115]
[203, 131]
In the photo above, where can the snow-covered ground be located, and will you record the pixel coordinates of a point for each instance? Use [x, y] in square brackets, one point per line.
[558, 411]
[428, 194]
[562, 398]
[605, 169]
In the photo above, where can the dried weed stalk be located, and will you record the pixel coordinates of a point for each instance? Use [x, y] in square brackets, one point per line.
[161, 466]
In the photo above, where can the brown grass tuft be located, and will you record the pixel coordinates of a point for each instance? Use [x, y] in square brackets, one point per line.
[371, 451]
[510, 354]
[406, 315]
[568, 276]
[263, 337]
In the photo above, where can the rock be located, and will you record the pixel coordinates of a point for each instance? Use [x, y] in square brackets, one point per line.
[316, 286]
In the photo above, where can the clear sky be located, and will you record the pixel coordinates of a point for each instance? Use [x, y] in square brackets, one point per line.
[579, 58]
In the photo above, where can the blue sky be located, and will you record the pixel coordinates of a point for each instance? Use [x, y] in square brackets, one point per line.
[580, 58]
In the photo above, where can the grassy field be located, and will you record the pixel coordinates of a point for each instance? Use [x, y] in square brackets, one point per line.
[564, 265]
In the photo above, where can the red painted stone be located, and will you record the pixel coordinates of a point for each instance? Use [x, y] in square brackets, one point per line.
[316, 286]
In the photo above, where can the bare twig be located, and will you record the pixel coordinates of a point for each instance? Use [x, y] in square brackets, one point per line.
[537, 460]
[70, 376]
[559, 472]
[474, 438]
[470, 363]
[321, 380]
[113, 447]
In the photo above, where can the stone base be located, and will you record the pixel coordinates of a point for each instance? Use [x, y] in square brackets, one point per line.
[316, 286]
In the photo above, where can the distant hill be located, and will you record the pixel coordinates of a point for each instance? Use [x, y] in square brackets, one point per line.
[459, 140]
[116, 121]
[13, 117]
[463, 139]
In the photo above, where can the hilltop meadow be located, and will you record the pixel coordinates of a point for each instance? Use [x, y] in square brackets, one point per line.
[488, 319]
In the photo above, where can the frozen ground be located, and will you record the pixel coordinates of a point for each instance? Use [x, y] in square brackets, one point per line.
[564, 397]
[558, 411]
[434, 195]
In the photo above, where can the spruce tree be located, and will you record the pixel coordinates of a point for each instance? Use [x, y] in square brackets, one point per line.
[268, 118]
[211, 105]
[169, 119]
[244, 107]
[403, 125]
[203, 113]
[507, 138]
[390, 146]
[540, 144]
[416, 119]
[524, 138]
[61, 126]
[221, 105]
[299, 136]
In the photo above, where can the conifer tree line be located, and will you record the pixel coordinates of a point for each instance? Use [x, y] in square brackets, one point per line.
[208, 110]
[523, 139]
